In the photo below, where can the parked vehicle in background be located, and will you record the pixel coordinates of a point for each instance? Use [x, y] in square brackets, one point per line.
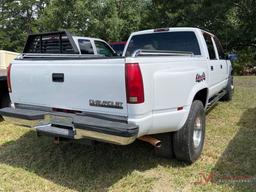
[49, 43]
[88, 45]
[118, 47]
[157, 92]
[5, 58]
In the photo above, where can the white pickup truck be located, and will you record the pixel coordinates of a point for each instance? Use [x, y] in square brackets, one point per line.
[158, 91]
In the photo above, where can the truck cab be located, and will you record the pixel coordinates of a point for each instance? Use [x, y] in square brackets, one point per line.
[94, 46]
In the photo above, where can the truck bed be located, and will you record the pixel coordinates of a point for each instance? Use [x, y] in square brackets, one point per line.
[89, 85]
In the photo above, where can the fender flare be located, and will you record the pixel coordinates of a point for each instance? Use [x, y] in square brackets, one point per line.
[197, 87]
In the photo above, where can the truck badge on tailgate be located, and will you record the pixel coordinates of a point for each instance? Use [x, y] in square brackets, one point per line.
[108, 104]
[200, 78]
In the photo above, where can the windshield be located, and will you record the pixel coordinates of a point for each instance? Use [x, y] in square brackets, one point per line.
[165, 41]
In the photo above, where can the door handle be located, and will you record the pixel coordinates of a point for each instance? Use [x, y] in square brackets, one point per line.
[212, 68]
[58, 77]
[221, 66]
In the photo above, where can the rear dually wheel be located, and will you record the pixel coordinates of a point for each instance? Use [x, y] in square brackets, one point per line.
[189, 140]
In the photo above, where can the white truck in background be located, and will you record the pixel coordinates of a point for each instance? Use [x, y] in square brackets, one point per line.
[157, 92]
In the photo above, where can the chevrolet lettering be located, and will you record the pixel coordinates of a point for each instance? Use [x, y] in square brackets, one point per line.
[110, 104]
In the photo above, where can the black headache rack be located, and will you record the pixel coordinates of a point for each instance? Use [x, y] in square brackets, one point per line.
[50, 43]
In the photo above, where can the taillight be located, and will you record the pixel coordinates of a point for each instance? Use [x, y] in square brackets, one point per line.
[9, 78]
[134, 83]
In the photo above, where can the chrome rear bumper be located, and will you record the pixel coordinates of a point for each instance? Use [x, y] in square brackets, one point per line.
[72, 126]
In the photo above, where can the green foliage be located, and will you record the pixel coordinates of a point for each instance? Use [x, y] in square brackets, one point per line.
[18, 18]
[113, 20]
[243, 31]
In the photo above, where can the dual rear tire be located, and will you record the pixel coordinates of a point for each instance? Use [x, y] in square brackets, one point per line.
[187, 143]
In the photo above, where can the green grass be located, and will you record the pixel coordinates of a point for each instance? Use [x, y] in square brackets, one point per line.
[29, 163]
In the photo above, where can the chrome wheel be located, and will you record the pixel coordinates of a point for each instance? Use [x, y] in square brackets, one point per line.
[197, 133]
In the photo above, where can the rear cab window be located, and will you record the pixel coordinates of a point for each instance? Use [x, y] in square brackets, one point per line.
[178, 41]
[103, 49]
[219, 48]
[85, 46]
[210, 46]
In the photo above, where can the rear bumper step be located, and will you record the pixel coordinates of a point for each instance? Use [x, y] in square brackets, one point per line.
[72, 126]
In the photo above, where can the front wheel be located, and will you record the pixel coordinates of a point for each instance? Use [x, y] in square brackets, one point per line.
[229, 90]
[189, 140]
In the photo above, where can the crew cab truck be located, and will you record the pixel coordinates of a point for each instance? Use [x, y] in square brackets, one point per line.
[160, 88]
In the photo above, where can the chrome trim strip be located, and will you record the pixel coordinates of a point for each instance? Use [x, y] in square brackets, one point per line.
[50, 119]
[81, 133]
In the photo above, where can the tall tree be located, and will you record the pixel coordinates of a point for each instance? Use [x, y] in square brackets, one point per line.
[17, 20]
[243, 33]
[206, 14]
[112, 20]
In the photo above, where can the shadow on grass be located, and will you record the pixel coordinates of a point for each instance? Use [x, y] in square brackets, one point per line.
[77, 166]
[237, 165]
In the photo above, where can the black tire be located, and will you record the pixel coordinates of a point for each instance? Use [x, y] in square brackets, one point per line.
[184, 146]
[229, 90]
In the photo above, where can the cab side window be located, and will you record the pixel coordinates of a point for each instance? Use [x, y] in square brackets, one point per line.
[103, 49]
[210, 46]
[85, 46]
[219, 48]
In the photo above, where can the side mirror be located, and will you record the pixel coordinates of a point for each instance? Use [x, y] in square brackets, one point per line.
[232, 57]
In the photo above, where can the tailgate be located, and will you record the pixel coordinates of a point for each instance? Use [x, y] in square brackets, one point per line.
[91, 85]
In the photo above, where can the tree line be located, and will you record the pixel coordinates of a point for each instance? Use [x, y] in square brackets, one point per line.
[233, 21]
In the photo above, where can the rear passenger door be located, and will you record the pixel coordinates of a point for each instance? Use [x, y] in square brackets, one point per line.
[222, 60]
[213, 64]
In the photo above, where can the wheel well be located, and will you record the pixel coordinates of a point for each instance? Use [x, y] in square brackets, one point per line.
[201, 96]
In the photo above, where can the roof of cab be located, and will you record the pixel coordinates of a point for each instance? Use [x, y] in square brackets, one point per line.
[170, 29]
[88, 38]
